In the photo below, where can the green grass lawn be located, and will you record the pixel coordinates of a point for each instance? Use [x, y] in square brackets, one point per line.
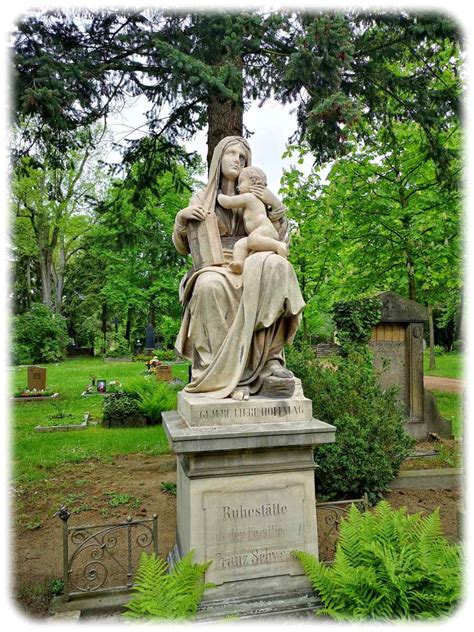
[450, 405]
[34, 452]
[447, 365]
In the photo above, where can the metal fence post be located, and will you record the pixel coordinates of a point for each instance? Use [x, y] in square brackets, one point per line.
[64, 514]
[155, 534]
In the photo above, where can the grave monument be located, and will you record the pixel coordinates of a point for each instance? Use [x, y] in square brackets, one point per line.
[244, 432]
[397, 346]
[149, 338]
[36, 378]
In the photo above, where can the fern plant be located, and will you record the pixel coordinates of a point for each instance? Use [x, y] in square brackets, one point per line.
[160, 594]
[388, 565]
[153, 397]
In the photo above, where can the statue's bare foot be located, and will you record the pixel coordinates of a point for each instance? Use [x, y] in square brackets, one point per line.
[236, 267]
[278, 370]
[282, 250]
[240, 393]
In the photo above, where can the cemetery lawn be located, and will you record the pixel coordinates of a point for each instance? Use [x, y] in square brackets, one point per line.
[448, 365]
[33, 453]
[450, 405]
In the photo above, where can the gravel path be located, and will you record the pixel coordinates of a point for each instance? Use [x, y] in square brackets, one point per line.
[443, 384]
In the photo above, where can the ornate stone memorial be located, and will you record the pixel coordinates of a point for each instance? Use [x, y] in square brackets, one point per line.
[243, 433]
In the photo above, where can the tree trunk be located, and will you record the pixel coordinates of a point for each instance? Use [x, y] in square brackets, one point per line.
[225, 118]
[103, 318]
[432, 340]
[59, 277]
[459, 321]
[28, 284]
[128, 326]
[46, 271]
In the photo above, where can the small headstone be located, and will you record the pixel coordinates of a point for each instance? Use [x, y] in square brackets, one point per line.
[36, 378]
[163, 373]
[150, 337]
[101, 386]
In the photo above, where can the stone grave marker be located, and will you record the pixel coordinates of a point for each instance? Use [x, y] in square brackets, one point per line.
[397, 346]
[163, 372]
[149, 337]
[36, 378]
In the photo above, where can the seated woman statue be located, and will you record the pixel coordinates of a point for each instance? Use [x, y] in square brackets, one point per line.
[235, 326]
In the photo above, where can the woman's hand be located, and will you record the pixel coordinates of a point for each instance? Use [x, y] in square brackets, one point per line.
[191, 213]
[265, 195]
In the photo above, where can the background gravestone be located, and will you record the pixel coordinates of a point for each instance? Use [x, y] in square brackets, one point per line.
[163, 373]
[36, 378]
[397, 346]
[149, 337]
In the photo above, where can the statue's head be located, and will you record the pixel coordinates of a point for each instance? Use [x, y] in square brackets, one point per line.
[250, 176]
[232, 153]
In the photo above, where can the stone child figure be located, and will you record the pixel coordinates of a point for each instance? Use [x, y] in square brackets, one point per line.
[262, 235]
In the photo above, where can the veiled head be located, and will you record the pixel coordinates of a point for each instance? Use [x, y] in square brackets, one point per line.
[230, 155]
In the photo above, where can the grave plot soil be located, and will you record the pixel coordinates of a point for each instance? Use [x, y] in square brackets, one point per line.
[90, 490]
[451, 448]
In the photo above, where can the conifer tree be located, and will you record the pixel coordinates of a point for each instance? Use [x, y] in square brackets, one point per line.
[339, 69]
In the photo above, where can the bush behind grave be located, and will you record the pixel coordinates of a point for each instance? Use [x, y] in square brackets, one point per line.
[39, 335]
[371, 441]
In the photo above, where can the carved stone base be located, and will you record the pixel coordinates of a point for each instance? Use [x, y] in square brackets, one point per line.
[245, 493]
[278, 387]
[198, 409]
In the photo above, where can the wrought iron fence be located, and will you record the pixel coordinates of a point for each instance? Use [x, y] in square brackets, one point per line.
[98, 558]
[329, 515]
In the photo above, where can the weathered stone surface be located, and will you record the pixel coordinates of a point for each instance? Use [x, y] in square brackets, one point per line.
[36, 378]
[396, 309]
[397, 346]
[247, 524]
[184, 438]
[277, 387]
[245, 500]
[435, 422]
[163, 373]
[199, 410]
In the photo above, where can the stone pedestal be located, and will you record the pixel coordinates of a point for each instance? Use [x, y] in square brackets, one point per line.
[245, 489]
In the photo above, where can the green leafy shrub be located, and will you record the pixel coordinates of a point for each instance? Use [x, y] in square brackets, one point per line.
[120, 405]
[163, 595]
[119, 348]
[371, 441]
[165, 355]
[388, 566]
[458, 345]
[355, 319]
[39, 335]
[21, 354]
[154, 397]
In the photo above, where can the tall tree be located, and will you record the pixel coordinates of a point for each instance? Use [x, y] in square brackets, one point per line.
[130, 272]
[381, 221]
[52, 202]
[339, 68]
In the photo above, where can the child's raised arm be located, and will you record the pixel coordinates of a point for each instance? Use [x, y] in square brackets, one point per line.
[234, 201]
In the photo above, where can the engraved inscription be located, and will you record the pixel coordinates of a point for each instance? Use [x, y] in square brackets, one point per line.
[266, 509]
[256, 411]
[251, 533]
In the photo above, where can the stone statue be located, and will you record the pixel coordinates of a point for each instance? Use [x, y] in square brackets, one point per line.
[237, 319]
